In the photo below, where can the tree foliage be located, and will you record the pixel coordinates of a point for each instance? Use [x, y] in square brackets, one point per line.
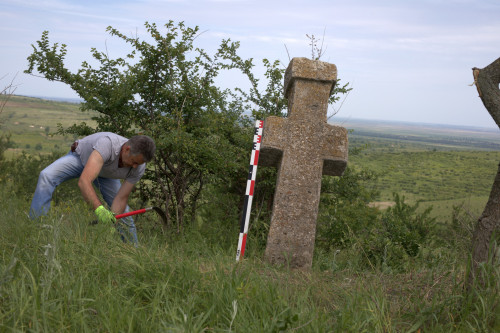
[164, 88]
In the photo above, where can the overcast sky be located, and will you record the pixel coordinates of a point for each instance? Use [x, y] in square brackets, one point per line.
[406, 60]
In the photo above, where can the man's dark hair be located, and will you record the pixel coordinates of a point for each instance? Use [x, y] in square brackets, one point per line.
[142, 144]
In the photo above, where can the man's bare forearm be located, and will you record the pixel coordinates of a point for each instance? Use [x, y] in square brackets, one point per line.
[118, 206]
[90, 172]
[88, 193]
[121, 198]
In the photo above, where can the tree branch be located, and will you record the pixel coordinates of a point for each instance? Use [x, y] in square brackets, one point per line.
[487, 80]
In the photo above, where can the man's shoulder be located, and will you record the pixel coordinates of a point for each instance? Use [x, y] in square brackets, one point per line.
[99, 135]
[114, 135]
[105, 139]
[111, 135]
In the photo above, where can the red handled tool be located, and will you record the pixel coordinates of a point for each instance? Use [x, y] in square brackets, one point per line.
[141, 211]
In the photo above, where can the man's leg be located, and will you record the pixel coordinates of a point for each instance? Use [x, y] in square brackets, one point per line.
[67, 167]
[109, 188]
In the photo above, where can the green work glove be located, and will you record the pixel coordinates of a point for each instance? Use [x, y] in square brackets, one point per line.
[104, 215]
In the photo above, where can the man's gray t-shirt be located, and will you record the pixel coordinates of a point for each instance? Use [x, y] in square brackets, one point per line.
[109, 146]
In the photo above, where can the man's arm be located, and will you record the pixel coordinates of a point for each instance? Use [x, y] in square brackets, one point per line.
[121, 199]
[89, 174]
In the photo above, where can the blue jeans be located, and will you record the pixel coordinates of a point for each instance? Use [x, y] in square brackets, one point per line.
[68, 167]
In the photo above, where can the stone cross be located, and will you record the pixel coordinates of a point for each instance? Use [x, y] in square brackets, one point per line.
[304, 147]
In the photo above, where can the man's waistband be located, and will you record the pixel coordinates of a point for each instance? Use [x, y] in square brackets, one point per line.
[73, 146]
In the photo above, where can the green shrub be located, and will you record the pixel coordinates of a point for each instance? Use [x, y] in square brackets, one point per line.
[405, 226]
[459, 233]
[4, 144]
[344, 211]
[20, 176]
[401, 232]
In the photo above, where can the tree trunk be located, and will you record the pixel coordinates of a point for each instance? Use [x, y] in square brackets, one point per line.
[487, 80]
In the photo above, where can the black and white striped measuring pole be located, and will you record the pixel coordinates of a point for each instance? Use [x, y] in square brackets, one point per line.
[245, 217]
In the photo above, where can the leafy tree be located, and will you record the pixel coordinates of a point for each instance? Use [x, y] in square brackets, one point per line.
[165, 89]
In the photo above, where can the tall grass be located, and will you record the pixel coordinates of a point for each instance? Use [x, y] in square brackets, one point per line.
[61, 275]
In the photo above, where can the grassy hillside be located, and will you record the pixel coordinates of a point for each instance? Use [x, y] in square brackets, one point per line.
[63, 275]
[437, 178]
[32, 123]
[442, 166]
[430, 176]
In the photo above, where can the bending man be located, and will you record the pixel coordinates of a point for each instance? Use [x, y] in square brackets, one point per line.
[101, 159]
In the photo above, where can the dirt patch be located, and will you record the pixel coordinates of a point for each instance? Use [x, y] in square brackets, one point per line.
[382, 204]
